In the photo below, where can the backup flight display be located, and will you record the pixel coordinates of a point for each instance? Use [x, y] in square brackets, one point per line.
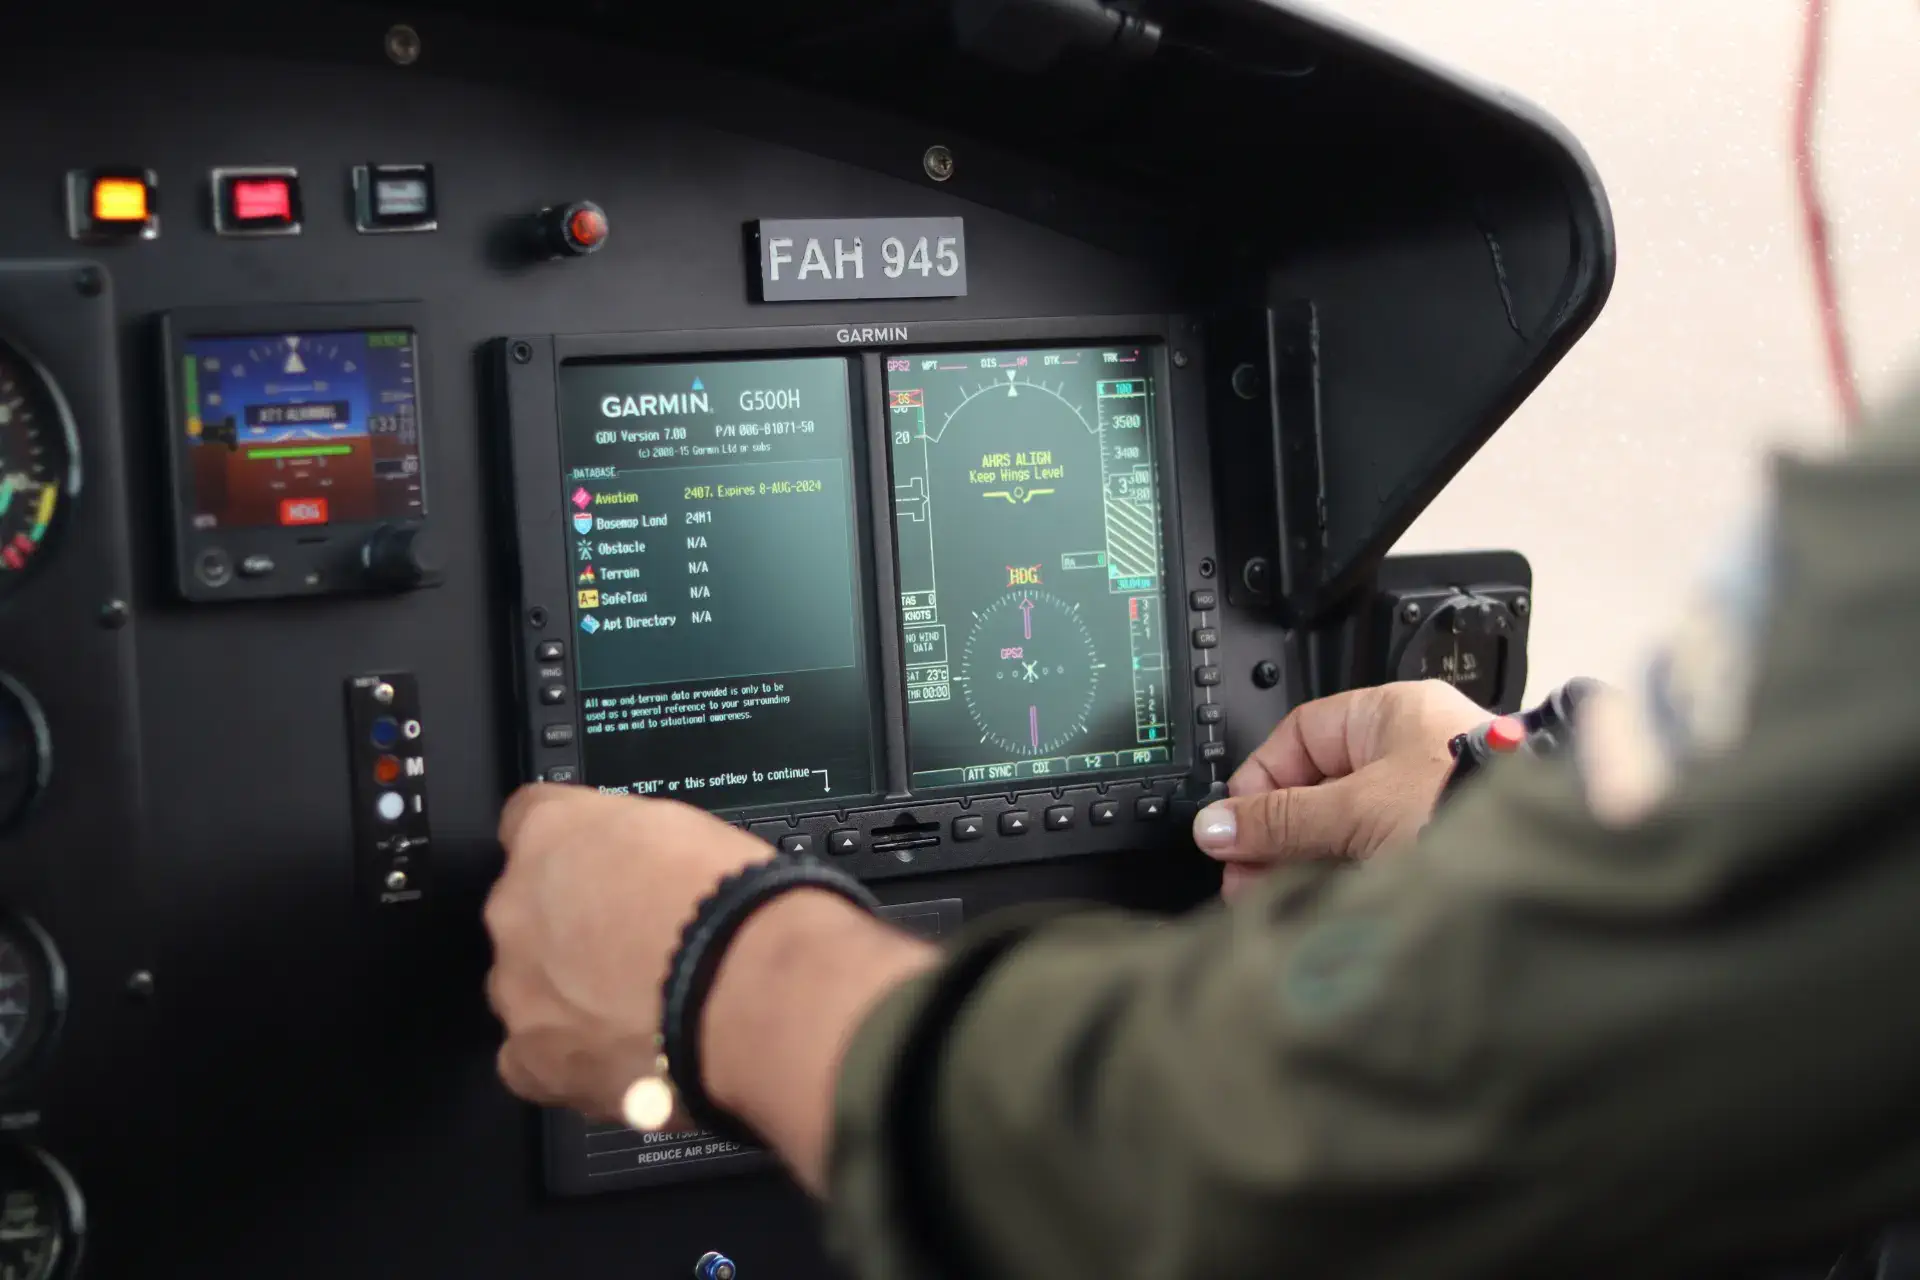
[716, 609]
[1027, 505]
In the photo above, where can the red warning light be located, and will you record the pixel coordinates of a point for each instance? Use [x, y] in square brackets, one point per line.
[386, 770]
[263, 200]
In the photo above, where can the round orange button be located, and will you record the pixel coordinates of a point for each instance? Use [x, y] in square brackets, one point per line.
[386, 770]
[1505, 734]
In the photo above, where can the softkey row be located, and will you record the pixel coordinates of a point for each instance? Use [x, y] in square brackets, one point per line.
[1012, 822]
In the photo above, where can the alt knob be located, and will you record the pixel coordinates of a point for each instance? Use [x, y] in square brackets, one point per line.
[714, 1266]
[394, 558]
[573, 230]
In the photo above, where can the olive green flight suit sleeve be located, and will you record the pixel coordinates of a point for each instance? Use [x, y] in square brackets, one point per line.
[1536, 1044]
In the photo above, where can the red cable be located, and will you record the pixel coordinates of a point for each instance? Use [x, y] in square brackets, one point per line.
[1813, 214]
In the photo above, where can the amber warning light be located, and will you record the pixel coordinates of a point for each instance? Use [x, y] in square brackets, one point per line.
[119, 200]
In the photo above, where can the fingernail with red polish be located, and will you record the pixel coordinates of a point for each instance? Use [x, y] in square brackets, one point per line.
[1214, 829]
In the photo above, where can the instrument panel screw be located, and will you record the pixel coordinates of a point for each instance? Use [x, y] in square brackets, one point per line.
[938, 162]
[140, 984]
[1522, 606]
[1266, 673]
[1411, 611]
[87, 280]
[522, 352]
[114, 614]
[403, 45]
[1179, 359]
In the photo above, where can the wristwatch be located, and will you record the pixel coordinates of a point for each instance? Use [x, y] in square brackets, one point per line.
[1546, 730]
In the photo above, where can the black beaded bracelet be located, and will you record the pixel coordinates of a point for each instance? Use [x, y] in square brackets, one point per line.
[703, 943]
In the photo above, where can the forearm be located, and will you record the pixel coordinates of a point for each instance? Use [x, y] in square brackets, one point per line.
[792, 990]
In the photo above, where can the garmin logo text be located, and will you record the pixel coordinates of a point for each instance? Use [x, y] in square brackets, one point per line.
[881, 333]
[650, 405]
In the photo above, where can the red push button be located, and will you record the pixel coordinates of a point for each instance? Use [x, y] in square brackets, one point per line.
[1505, 734]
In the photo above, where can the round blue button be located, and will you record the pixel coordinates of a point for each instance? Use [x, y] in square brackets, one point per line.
[386, 732]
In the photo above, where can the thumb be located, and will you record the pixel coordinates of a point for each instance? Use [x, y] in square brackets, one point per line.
[1320, 821]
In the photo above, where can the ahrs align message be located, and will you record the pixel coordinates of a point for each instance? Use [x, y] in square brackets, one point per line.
[703, 500]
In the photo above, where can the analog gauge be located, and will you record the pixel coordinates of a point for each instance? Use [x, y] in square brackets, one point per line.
[1463, 642]
[33, 996]
[39, 463]
[1029, 673]
[25, 755]
[41, 1217]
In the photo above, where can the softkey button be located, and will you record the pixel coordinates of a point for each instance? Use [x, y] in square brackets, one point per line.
[1103, 813]
[550, 651]
[970, 827]
[1058, 818]
[556, 735]
[1015, 822]
[553, 695]
[1150, 807]
[564, 773]
[1213, 751]
[1209, 713]
[1206, 676]
[1205, 637]
[844, 842]
[799, 846]
[1203, 601]
[256, 566]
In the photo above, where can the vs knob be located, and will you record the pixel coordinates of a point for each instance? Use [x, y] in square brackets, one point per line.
[397, 557]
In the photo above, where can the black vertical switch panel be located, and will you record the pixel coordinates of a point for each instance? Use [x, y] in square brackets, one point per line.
[387, 753]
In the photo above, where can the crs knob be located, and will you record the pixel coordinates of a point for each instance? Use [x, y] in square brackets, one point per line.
[573, 230]
[715, 1266]
[396, 557]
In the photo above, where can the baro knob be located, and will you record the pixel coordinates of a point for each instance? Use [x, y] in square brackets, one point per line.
[395, 558]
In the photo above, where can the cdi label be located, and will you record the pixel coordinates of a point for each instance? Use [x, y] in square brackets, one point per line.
[835, 259]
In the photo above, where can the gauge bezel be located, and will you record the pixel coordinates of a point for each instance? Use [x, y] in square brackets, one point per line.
[44, 1022]
[46, 394]
[42, 749]
[66, 1201]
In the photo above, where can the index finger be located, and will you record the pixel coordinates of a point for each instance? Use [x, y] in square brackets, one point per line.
[1312, 744]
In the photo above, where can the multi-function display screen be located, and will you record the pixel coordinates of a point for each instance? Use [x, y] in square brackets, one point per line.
[716, 603]
[1027, 506]
[298, 429]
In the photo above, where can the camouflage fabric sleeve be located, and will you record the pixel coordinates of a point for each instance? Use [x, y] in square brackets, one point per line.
[1557, 1038]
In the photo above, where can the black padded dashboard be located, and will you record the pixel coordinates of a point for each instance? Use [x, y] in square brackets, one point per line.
[272, 1060]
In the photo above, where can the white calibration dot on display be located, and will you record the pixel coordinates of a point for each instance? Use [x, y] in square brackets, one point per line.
[390, 805]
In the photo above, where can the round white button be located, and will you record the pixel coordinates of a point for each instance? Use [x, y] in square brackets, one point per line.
[391, 805]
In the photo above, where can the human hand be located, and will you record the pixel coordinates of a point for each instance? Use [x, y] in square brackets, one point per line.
[585, 920]
[1341, 777]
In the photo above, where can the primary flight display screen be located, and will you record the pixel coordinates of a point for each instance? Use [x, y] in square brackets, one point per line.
[1027, 505]
[716, 608]
[300, 429]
